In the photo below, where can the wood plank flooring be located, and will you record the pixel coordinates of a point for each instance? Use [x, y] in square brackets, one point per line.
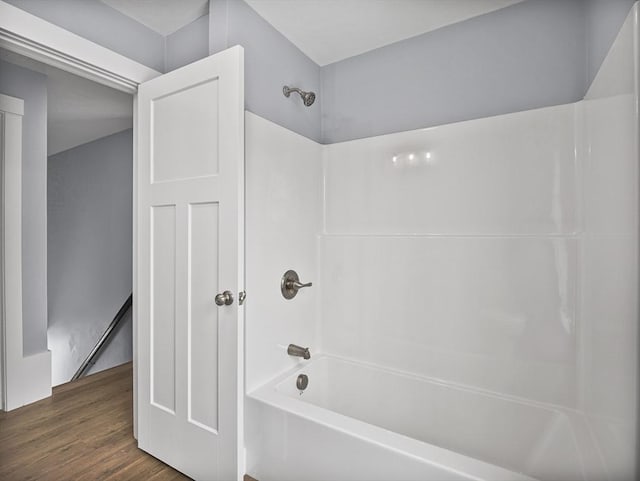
[84, 432]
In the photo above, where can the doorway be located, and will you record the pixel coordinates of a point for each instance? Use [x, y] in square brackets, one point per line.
[76, 213]
[77, 191]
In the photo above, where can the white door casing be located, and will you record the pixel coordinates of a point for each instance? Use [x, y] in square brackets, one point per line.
[33, 37]
[190, 247]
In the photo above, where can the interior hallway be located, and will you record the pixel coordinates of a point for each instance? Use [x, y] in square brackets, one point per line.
[83, 432]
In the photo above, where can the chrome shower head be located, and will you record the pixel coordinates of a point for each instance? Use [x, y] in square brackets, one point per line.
[307, 97]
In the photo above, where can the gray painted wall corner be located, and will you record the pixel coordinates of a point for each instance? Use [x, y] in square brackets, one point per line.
[271, 61]
[187, 45]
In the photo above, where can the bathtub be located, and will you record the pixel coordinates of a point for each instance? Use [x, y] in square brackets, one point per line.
[359, 422]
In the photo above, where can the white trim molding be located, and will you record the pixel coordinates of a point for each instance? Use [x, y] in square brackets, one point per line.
[24, 379]
[31, 36]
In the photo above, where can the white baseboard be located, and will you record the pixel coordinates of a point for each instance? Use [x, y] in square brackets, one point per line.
[28, 380]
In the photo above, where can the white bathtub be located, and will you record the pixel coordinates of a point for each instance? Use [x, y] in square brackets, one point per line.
[365, 423]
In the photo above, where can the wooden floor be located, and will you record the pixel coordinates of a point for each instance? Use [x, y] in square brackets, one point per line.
[82, 433]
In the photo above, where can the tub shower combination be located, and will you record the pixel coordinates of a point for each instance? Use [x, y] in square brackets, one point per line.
[469, 310]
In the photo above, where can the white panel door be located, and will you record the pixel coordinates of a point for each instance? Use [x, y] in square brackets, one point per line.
[190, 247]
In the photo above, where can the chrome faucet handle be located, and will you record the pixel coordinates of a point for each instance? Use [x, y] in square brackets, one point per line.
[299, 285]
[290, 284]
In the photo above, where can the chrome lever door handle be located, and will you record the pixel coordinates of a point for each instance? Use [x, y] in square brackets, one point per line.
[224, 299]
[299, 285]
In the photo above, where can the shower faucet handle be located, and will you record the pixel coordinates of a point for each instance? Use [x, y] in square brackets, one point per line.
[290, 284]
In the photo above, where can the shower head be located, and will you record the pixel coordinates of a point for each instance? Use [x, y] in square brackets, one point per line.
[307, 97]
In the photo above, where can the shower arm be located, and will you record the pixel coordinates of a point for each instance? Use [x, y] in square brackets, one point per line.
[287, 91]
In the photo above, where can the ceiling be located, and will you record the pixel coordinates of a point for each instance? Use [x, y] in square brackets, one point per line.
[325, 30]
[331, 30]
[163, 16]
[78, 110]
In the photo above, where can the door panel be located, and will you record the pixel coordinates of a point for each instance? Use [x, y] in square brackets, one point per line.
[203, 321]
[163, 309]
[183, 133]
[190, 247]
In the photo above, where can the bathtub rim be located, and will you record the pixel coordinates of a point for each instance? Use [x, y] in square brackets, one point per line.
[442, 458]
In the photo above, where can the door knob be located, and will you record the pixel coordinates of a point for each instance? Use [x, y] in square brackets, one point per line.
[224, 299]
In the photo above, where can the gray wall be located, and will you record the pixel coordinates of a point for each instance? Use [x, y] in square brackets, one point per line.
[271, 61]
[90, 245]
[31, 87]
[103, 25]
[188, 44]
[522, 57]
[530, 55]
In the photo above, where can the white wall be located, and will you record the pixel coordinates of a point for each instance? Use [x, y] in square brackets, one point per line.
[90, 252]
[283, 219]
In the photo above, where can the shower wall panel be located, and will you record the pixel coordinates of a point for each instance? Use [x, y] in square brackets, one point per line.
[509, 175]
[451, 252]
[608, 124]
[496, 313]
[283, 219]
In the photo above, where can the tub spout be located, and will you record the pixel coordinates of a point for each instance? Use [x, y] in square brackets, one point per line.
[298, 351]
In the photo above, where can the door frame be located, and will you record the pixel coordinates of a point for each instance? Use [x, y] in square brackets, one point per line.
[35, 38]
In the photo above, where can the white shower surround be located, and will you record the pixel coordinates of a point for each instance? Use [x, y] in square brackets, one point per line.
[504, 265]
